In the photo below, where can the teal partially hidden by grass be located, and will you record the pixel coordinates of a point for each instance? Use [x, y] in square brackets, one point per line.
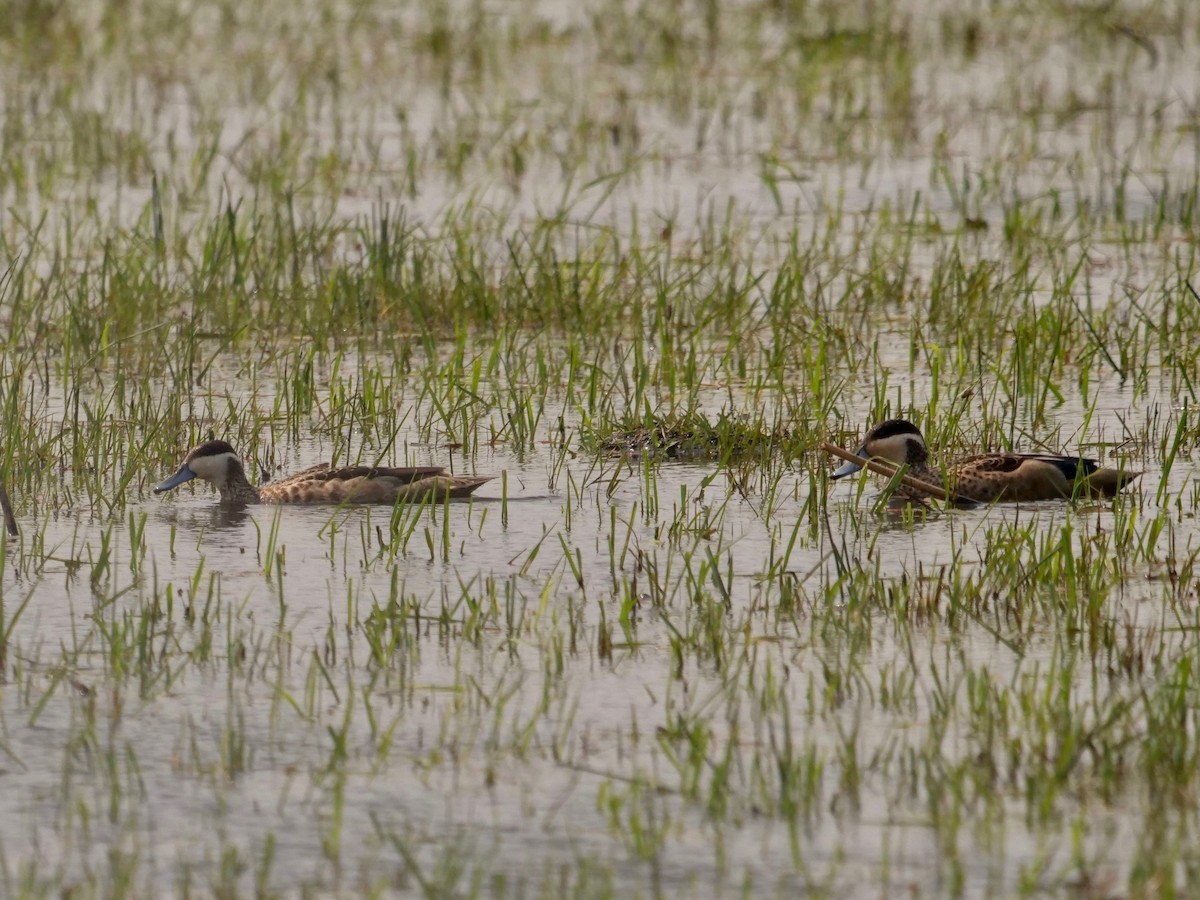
[217, 463]
[989, 477]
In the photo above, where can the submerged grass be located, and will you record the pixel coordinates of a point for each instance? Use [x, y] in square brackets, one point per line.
[582, 243]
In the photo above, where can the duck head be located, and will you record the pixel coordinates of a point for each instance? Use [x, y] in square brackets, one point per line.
[896, 440]
[212, 461]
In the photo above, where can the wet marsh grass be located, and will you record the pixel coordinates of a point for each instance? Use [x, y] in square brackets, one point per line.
[610, 673]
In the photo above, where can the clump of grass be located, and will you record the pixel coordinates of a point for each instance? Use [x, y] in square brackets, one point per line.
[690, 436]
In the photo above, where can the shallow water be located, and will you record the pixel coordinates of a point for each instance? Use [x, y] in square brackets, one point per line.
[596, 677]
[498, 736]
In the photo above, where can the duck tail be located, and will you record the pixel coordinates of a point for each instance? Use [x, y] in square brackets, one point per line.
[463, 485]
[1110, 482]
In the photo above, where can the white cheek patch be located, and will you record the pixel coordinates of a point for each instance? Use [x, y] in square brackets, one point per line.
[894, 448]
[213, 469]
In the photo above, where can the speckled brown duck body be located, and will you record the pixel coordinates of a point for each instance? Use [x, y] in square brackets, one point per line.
[217, 463]
[991, 477]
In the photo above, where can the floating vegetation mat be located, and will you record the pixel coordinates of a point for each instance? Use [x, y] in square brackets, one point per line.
[692, 438]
